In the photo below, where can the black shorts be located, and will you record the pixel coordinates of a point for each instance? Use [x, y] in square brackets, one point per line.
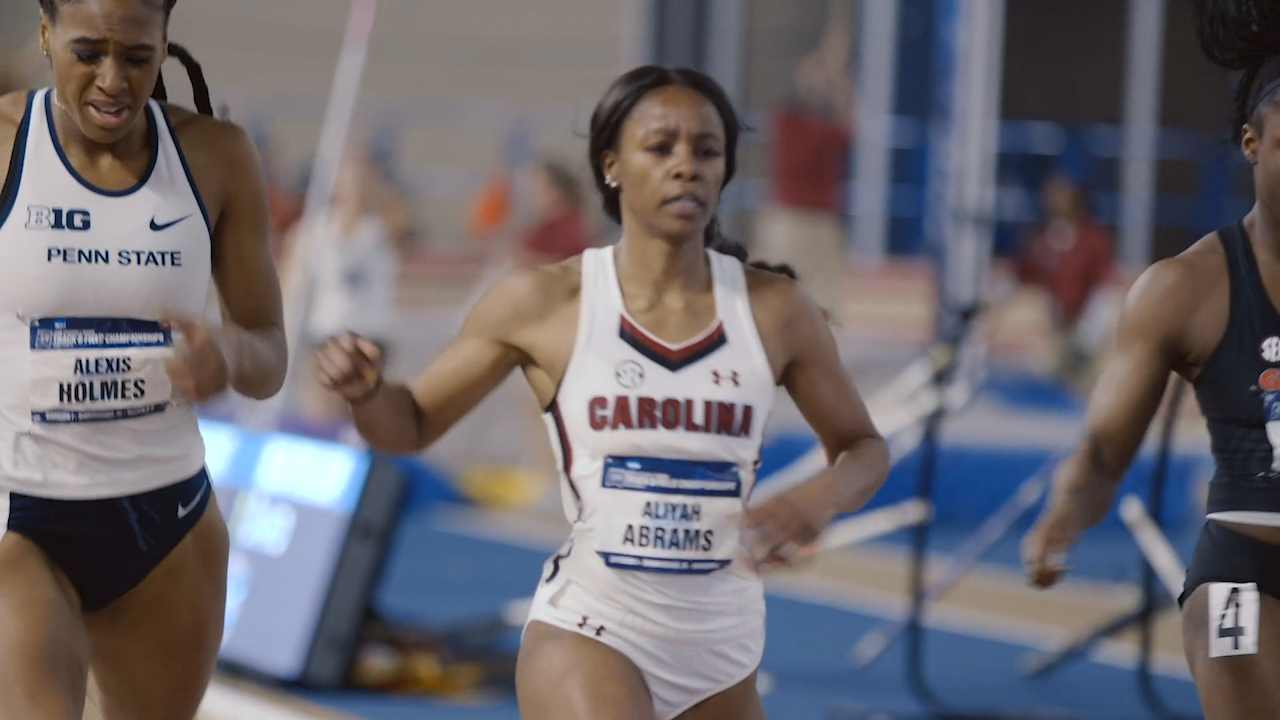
[1224, 555]
[108, 547]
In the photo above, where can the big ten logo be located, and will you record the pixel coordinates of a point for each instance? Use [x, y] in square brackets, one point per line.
[40, 217]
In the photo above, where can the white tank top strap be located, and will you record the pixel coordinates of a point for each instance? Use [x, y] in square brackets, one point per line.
[36, 130]
[610, 291]
[593, 299]
[41, 159]
[607, 305]
[164, 128]
[172, 162]
[733, 302]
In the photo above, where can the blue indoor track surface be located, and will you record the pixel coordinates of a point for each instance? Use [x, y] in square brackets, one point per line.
[438, 578]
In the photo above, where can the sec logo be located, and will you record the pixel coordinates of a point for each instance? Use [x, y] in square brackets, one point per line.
[1271, 349]
[629, 374]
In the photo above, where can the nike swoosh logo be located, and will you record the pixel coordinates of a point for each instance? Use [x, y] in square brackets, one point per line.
[157, 227]
[185, 511]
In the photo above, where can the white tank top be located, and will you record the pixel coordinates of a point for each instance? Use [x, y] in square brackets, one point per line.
[85, 406]
[658, 447]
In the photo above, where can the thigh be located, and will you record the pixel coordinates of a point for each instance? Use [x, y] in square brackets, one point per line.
[155, 648]
[1233, 687]
[43, 644]
[740, 702]
[562, 675]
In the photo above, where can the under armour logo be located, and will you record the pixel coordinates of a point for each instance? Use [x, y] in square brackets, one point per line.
[586, 625]
[729, 377]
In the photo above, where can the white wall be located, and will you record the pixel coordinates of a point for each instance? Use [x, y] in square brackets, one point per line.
[451, 73]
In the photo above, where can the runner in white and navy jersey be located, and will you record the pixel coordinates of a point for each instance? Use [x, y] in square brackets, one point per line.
[657, 360]
[116, 213]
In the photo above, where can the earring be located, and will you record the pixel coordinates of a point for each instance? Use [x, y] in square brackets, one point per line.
[611, 183]
[45, 50]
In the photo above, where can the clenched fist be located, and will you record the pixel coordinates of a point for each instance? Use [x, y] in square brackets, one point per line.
[198, 369]
[351, 366]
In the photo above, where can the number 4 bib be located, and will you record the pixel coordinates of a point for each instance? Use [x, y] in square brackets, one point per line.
[1233, 619]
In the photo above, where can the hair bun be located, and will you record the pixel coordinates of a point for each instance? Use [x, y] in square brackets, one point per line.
[1238, 34]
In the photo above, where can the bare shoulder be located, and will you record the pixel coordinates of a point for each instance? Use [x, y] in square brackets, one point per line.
[790, 323]
[201, 134]
[525, 297]
[220, 154]
[545, 284]
[1174, 285]
[12, 107]
[1180, 303]
[778, 302]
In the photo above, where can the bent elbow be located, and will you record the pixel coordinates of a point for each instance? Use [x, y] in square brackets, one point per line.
[1104, 461]
[264, 384]
[879, 458]
[259, 363]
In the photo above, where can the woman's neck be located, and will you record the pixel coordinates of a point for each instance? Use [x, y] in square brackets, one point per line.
[1263, 225]
[651, 268]
[73, 139]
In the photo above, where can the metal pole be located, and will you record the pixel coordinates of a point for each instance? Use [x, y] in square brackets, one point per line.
[726, 29]
[872, 159]
[975, 138]
[942, 154]
[1144, 58]
[333, 140]
[636, 46]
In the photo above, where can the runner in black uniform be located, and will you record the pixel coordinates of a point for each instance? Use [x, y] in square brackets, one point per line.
[1209, 315]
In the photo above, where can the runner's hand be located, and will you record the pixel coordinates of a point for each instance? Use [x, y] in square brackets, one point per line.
[351, 366]
[198, 369]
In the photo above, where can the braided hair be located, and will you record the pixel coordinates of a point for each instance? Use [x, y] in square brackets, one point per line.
[612, 112]
[200, 88]
[1244, 35]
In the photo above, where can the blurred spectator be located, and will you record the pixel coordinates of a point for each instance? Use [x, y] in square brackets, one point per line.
[284, 199]
[558, 230]
[1070, 256]
[803, 222]
[352, 261]
[491, 208]
[494, 208]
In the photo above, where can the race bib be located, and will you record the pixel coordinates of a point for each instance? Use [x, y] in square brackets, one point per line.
[96, 369]
[1233, 619]
[672, 516]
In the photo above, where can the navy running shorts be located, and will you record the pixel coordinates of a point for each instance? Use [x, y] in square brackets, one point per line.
[1224, 555]
[108, 547]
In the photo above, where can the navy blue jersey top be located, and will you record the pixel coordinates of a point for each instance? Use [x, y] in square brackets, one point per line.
[1239, 389]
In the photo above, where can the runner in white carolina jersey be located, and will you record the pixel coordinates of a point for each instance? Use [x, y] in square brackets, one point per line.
[116, 213]
[657, 360]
